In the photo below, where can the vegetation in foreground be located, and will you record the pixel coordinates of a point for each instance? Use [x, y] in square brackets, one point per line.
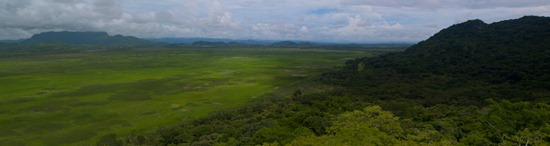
[54, 94]
[470, 84]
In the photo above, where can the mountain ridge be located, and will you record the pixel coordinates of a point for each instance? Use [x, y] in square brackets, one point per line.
[475, 48]
[510, 59]
[85, 38]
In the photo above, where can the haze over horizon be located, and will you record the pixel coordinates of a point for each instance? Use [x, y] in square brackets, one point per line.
[363, 21]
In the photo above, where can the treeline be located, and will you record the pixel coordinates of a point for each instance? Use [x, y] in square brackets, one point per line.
[327, 119]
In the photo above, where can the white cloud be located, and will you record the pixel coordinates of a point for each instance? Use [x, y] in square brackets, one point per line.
[303, 29]
[444, 4]
[279, 31]
[326, 20]
[370, 32]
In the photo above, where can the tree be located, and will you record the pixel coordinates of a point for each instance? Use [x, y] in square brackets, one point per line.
[371, 125]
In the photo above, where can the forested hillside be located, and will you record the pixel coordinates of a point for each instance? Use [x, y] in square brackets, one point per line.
[504, 60]
[470, 84]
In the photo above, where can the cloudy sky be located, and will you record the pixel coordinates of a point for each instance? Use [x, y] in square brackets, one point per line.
[309, 20]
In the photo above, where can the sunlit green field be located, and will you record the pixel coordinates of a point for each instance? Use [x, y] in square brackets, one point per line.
[75, 98]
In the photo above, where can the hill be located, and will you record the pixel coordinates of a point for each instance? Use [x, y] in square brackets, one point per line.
[511, 54]
[470, 84]
[509, 51]
[85, 38]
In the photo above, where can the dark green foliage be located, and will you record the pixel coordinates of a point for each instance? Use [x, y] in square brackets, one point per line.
[507, 60]
[109, 140]
[267, 121]
[513, 51]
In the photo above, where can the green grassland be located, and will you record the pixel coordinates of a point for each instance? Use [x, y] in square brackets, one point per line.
[75, 98]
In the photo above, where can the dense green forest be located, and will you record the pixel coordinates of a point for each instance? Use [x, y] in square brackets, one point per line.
[470, 84]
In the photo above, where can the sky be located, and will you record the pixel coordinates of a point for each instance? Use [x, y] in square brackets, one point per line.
[358, 21]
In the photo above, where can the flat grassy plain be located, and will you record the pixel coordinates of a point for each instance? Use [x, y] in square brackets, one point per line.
[75, 98]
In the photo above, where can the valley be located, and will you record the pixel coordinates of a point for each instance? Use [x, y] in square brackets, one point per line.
[74, 98]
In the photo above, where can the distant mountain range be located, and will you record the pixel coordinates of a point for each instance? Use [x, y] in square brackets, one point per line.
[85, 38]
[11, 41]
[193, 40]
[103, 38]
